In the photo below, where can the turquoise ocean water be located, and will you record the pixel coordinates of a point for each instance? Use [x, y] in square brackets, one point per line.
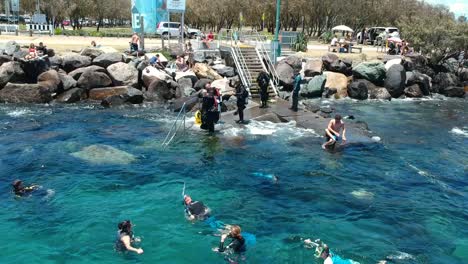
[404, 199]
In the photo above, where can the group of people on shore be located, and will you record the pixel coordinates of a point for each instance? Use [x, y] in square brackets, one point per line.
[35, 52]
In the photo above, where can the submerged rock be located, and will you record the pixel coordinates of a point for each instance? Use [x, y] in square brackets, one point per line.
[104, 154]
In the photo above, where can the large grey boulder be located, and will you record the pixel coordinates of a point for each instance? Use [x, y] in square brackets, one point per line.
[420, 64]
[92, 79]
[24, 93]
[159, 90]
[443, 80]
[420, 79]
[71, 96]
[379, 93]
[454, 91]
[33, 68]
[224, 71]
[413, 91]
[123, 74]
[294, 61]
[4, 59]
[107, 59]
[131, 96]
[313, 67]
[51, 81]
[11, 47]
[314, 87]
[67, 81]
[286, 75]
[450, 65]
[358, 89]
[395, 81]
[371, 71]
[92, 52]
[463, 75]
[74, 61]
[185, 87]
[11, 72]
[56, 62]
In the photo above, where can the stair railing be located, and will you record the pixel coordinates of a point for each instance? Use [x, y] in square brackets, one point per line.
[265, 59]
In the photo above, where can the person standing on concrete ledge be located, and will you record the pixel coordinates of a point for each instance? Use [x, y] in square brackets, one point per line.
[295, 94]
[263, 79]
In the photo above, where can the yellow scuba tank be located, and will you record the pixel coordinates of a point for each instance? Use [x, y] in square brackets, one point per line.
[198, 117]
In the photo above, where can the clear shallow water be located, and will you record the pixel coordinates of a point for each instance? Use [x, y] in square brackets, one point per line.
[408, 193]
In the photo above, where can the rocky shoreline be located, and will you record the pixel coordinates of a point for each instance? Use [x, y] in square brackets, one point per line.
[394, 77]
[113, 78]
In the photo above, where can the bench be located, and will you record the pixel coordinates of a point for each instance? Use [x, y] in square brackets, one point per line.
[356, 48]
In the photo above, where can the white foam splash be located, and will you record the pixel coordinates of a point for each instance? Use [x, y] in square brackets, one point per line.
[460, 131]
[362, 194]
[376, 139]
[266, 128]
[400, 256]
[19, 112]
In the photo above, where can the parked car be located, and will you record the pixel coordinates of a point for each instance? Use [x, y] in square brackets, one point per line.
[375, 34]
[172, 28]
[66, 23]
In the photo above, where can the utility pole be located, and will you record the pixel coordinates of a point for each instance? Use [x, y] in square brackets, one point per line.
[276, 49]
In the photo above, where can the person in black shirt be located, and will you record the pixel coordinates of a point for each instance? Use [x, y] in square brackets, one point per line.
[237, 244]
[262, 80]
[195, 209]
[41, 49]
[241, 94]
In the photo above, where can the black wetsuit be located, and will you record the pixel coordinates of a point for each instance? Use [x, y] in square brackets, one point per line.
[295, 93]
[119, 245]
[237, 245]
[210, 114]
[197, 209]
[24, 190]
[263, 81]
[241, 94]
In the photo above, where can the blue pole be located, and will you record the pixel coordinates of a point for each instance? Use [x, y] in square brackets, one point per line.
[276, 49]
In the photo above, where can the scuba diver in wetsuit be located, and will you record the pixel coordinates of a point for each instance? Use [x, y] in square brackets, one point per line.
[195, 210]
[20, 190]
[209, 109]
[241, 94]
[125, 238]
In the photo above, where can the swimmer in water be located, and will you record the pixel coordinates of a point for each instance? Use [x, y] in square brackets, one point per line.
[195, 210]
[237, 244]
[125, 238]
[272, 177]
[20, 190]
[323, 251]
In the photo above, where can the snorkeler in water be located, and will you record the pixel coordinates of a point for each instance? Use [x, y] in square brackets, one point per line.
[271, 177]
[237, 244]
[125, 238]
[323, 251]
[195, 210]
[20, 190]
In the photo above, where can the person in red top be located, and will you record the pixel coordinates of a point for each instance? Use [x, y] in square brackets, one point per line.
[32, 53]
[210, 36]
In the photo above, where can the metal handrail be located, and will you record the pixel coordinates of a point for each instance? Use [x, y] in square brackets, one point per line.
[235, 51]
[269, 67]
[174, 128]
[247, 72]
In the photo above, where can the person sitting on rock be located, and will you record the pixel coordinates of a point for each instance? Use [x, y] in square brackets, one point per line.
[332, 132]
[32, 52]
[156, 62]
[20, 190]
[181, 65]
[41, 50]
